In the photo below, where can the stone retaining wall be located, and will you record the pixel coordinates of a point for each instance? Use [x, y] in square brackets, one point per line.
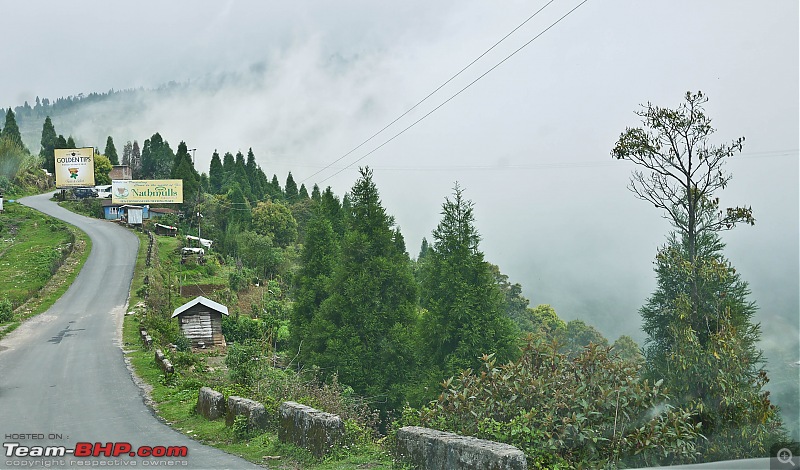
[210, 403]
[433, 450]
[311, 429]
[252, 410]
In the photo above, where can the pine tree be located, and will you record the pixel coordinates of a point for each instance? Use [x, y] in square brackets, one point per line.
[275, 191]
[10, 131]
[252, 176]
[127, 150]
[216, 174]
[316, 196]
[136, 160]
[61, 142]
[291, 189]
[241, 176]
[49, 138]
[71, 143]
[303, 193]
[365, 323]
[319, 256]
[466, 315]
[111, 151]
[707, 355]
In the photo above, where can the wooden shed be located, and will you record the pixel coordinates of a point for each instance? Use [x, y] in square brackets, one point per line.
[201, 322]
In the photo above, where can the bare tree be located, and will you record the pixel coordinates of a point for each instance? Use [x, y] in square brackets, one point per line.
[681, 169]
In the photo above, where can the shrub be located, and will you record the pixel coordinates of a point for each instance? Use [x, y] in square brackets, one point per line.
[588, 411]
[243, 362]
[6, 310]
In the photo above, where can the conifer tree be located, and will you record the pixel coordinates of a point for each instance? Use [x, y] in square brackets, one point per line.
[303, 193]
[216, 174]
[365, 323]
[71, 143]
[466, 312]
[319, 256]
[136, 160]
[10, 131]
[111, 151]
[291, 189]
[275, 191]
[127, 150]
[48, 142]
[316, 196]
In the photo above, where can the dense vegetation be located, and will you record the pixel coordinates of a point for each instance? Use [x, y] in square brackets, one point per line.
[329, 308]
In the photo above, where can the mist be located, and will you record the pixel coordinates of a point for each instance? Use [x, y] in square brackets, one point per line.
[302, 85]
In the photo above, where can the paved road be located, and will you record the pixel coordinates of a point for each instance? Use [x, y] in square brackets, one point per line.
[62, 373]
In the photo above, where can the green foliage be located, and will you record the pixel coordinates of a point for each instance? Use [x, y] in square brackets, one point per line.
[466, 307]
[577, 335]
[182, 343]
[545, 319]
[240, 328]
[102, 167]
[241, 428]
[6, 310]
[239, 279]
[243, 362]
[318, 258]
[709, 357]
[627, 350]
[590, 411]
[363, 327]
[48, 145]
[110, 151]
[157, 158]
[11, 132]
[215, 174]
[15, 161]
[275, 220]
[291, 189]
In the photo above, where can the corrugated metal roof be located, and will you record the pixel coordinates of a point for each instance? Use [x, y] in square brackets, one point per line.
[200, 300]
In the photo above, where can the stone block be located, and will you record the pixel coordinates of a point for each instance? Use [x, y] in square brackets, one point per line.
[434, 450]
[210, 403]
[311, 429]
[254, 412]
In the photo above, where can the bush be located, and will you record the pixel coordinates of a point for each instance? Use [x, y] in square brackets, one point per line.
[6, 310]
[590, 411]
[243, 362]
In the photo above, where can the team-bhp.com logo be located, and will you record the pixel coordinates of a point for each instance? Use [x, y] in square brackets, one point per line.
[94, 449]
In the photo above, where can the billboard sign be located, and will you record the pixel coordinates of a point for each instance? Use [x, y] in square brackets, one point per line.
[74, 167]
[146, 191]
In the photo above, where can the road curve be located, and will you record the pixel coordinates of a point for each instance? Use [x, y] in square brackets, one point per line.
[63, 379]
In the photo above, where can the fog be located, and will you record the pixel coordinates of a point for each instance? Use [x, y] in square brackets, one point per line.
[530, 142]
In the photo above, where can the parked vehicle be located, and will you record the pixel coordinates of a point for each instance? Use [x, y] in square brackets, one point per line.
[103, 191]
[83, 193]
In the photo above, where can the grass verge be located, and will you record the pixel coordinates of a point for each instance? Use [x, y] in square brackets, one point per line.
[34, 285]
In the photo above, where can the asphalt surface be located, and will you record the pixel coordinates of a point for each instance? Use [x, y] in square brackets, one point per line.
[63, 378]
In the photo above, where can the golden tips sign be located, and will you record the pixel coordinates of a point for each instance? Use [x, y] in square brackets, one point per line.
[146, 191]
[74, 167]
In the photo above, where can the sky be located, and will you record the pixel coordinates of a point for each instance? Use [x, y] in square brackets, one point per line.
[304, 83]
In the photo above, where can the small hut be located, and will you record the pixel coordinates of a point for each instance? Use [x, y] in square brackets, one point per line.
[201, 322]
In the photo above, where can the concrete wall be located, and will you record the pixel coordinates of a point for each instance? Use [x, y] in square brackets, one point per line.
[433, 450]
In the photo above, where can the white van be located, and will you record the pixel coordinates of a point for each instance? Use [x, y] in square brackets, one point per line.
[103, 191]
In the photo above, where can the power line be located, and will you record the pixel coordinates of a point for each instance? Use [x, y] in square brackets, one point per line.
[457, 93]
[429, 94]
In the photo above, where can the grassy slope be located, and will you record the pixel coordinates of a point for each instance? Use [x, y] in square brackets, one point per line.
[29, 242]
